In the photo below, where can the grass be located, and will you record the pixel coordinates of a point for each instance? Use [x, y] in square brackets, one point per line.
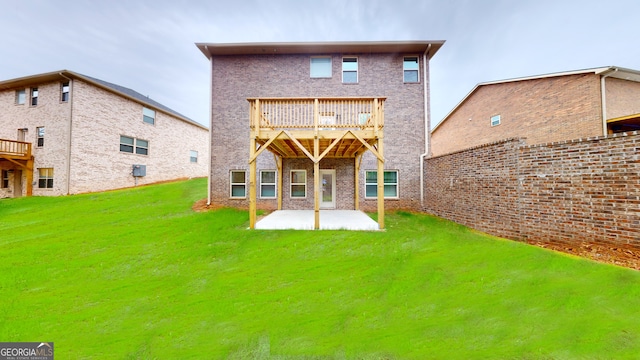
[136, 274]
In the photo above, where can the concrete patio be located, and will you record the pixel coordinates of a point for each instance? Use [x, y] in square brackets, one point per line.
[329, 220]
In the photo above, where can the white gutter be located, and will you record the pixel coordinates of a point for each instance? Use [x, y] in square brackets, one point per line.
[210, 126]
[604, 100]
[70, 131]
[427, 123]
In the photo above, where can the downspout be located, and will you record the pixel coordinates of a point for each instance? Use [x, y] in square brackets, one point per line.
[427, 123]
[604, 100]
[210, 125]
[70, 129]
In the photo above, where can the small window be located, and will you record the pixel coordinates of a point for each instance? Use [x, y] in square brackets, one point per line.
[495, 120]
[268, 184]
[193, 156]
[148, 116]
[298, 183]
[45, 178]
[64, 92]
[350, 70]
[238, 184]
[390, 184]
[321, 67]
[142, 147]
[5, 179]
[40, 136]
[126, 144]
[21, 97]
[34, 96]
[411, 69]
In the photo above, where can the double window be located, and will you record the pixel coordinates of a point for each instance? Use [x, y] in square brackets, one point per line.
[40, 136]
[390, 184]
[148, 116]
[238, 184]
[298, 183]
[349, 70]
[268, 184]
[411, 69]
[45, 178]
[131, 145]
[34, 96]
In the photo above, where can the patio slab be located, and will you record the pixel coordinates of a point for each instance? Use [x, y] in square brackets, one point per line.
[329, 220]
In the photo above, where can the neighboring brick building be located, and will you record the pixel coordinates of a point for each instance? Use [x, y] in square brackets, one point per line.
[323, 111]
[546, 108]
[67, 133]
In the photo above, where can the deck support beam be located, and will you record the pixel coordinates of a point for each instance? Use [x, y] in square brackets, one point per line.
[316, 185]
[252, 184]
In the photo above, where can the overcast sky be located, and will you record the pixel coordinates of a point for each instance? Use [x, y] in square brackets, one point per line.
[148, 46]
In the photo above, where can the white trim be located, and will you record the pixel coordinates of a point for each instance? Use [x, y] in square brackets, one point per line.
[291, 184]
[232, 184]
[417, 57]
[397, 184]
[357, 69]
[274, 184]
[332, 204]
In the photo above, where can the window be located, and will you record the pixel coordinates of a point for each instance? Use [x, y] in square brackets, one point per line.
[321, 67]
[142, 147]
[148, 116]
[495, 120]
[298, 183]
[390, 184]
[128, 144]
[21, 97]
[268, 184]
[5, 179]
[45, 178]
[350, 70]
[411, 69]
[64, 92]
[238, 184]
[34, 96]
[193, 156]
[40, 136]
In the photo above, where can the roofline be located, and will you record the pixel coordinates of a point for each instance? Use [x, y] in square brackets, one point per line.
[418, 46]
[612, 71]
[66, 74]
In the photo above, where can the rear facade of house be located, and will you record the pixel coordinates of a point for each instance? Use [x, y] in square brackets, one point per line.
[543, 109]
[361, 104]
[67, 133]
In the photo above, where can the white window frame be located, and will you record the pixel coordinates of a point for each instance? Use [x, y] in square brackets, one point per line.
[292, 184]
[232, 184]
[322, 74]
[348, 70]
[132, 145]
[193, 156]
[21, 97]
[263, 183]
[404, 69]
[148, 116]
[396, 184]
[40, 136]
[64, 91]
[47, 178]
[34, 96]
[140, 146]
[495, 120]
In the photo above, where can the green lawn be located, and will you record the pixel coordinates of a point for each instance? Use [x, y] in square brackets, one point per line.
[136, 274]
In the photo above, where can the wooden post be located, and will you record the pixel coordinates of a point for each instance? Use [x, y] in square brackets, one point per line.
[252, 183]
[356, 185]
[380, 186]
[316, 184]
[280, 174]
[30, 176]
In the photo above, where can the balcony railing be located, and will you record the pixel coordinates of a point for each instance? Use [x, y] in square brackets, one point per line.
[15, 149]
[317, 113]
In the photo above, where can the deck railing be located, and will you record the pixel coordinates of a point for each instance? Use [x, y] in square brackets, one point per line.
[15, 149]
[317, 113]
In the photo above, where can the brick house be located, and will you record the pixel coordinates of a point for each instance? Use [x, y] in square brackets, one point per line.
[68, 133]
[546, 108]
[344, 125]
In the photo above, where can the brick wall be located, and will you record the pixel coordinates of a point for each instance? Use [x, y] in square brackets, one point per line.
[622, 97]
[585, 190]
[542, 110]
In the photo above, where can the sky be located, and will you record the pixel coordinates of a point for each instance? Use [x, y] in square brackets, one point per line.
[149, 46]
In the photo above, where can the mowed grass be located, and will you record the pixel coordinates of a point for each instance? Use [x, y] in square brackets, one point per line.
[136, 274]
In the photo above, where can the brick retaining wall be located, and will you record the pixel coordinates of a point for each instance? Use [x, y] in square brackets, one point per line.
[585, 190]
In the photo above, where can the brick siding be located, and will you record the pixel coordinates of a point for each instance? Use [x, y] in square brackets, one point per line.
[585, 190]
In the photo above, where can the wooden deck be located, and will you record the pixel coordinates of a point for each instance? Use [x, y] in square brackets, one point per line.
[17, 155]
[316, 128]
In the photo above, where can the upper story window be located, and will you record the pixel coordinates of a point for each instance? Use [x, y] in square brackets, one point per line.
[21, 97]
[411, 69]
[495, 120]
[349, 70]
[193, 156]
[148, 116]
[40, 136]
[34, 96]
[64, 92]
[321, 67]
